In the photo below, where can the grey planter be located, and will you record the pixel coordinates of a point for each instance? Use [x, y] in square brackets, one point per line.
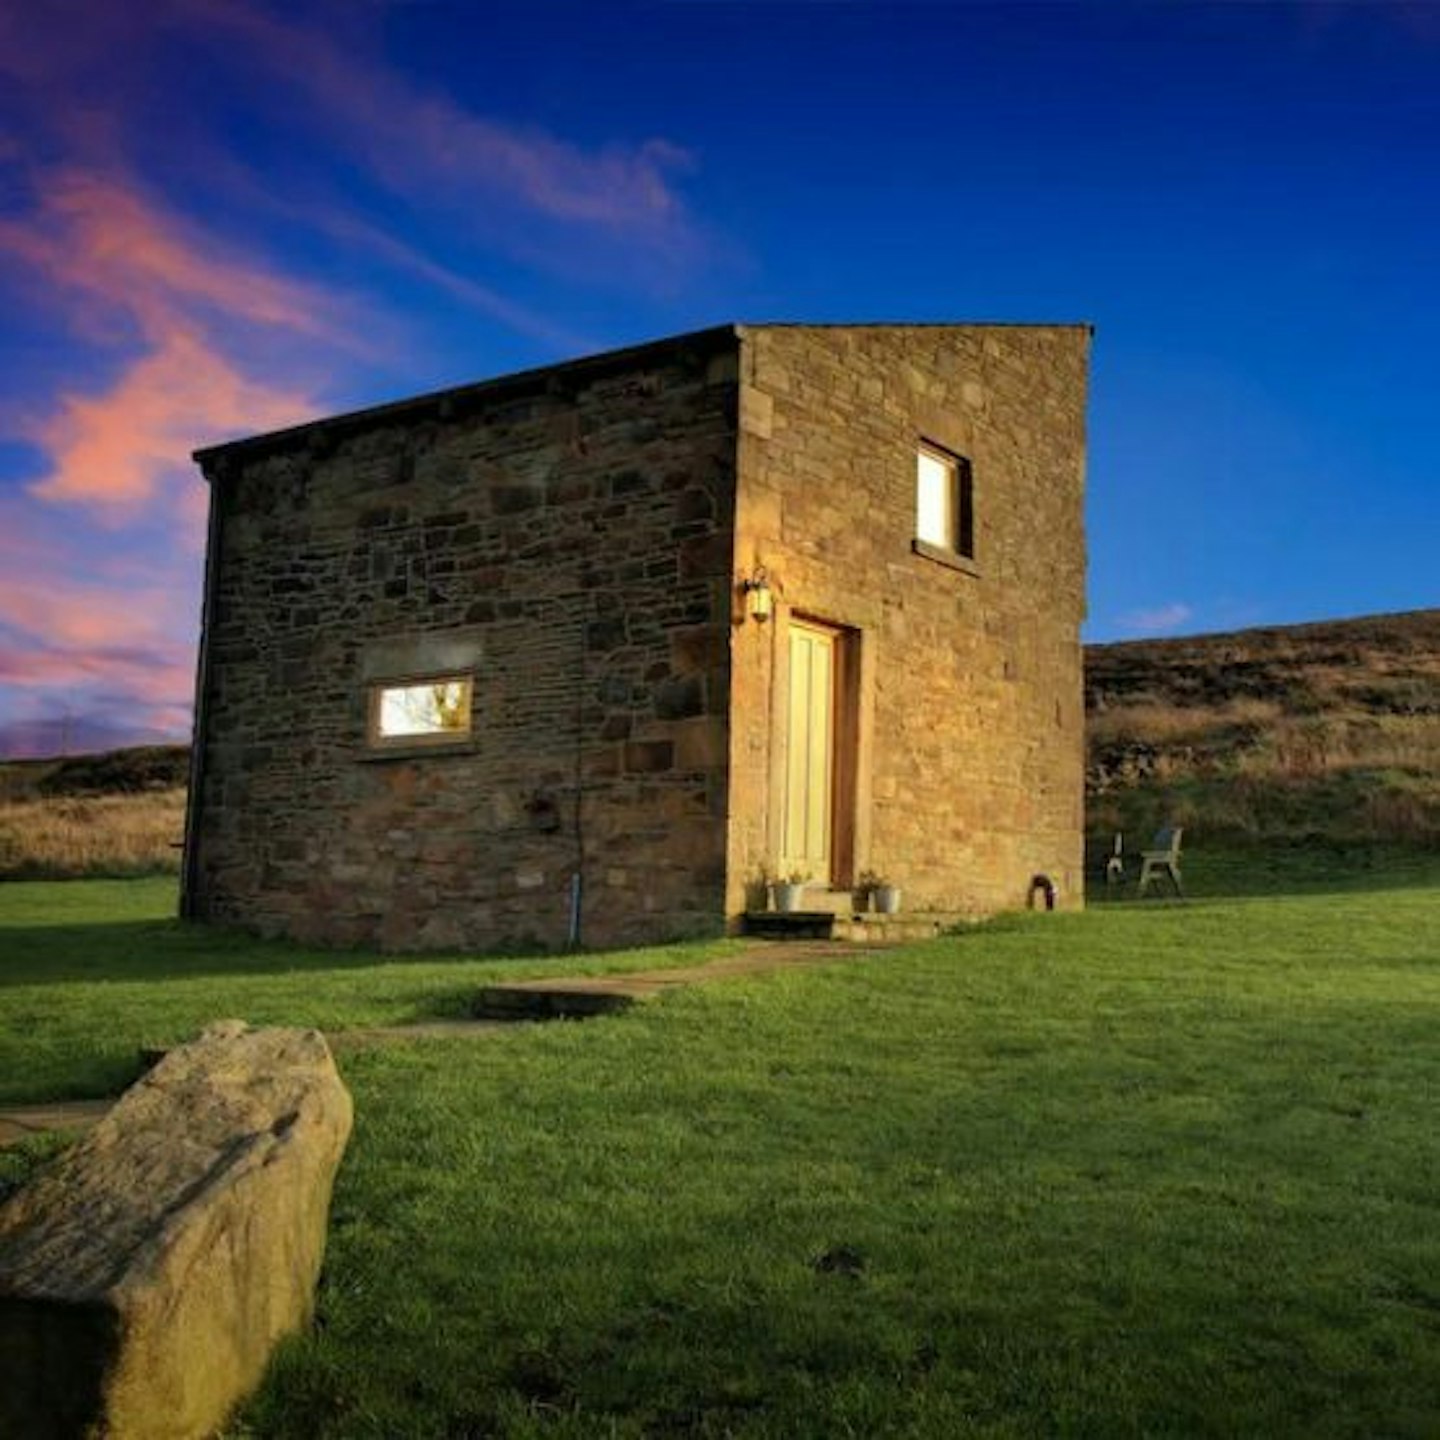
[887, 899]
[789, 898]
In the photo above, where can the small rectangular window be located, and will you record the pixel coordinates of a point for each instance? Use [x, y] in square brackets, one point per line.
[421, 712]
[944, 501]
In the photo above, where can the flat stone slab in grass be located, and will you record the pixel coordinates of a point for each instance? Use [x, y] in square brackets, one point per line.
[581, 997]
[555, 999]
[146, 1276]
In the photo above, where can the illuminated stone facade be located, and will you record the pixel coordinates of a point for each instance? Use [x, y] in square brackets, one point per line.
[577, 542]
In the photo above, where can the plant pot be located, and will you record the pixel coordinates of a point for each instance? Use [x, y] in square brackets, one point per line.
[887, 899]
[789, 898]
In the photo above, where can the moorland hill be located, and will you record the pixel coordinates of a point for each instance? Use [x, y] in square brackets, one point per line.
[1298, 733]
[1323, 731]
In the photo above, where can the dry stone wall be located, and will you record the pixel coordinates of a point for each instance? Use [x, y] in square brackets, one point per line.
[567, 537]
[968, 706]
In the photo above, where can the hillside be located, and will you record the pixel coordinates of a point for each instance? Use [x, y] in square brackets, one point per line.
[114, 772]
[117, 813]
[1327, 731]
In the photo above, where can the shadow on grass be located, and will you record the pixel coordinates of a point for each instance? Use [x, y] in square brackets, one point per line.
[165, 950]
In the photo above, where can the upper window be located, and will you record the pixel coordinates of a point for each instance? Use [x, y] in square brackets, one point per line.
[944, 501]
[421, 712]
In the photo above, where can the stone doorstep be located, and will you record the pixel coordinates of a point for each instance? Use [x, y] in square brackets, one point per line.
[832, 902]
[872, 929]
[787, 925]
[865, 927]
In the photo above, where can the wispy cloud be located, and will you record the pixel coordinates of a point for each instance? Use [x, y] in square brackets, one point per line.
[79, 641]
[100, 237]
[181, 322]
[484, 299]
[167, 333]
[423, 143]
[116, 450]
[1157, 620]
[166, 298]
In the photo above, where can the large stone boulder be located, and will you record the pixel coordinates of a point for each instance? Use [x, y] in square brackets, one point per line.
[145, 1278]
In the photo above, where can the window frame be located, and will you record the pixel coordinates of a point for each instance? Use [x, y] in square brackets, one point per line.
[959, 553]
[377, 742]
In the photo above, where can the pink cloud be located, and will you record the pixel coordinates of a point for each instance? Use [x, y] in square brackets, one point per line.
[70, 615]
[158, 677]
[79, 642]
[118, 449]
[99, 237]
[115, 450]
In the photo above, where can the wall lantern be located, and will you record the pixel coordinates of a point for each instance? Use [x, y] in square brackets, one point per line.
[759, 599]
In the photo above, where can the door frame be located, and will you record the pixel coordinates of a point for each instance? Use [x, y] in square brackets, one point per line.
[846, 811]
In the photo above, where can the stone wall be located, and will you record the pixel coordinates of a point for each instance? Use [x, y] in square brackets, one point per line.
[568, 536]
[968, 752]
[573, 538]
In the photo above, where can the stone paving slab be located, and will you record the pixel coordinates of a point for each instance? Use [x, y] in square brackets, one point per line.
[579, 998]
[499, 1006]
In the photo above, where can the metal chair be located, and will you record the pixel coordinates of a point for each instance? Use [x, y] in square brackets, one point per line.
[1162, 859]
[1115, 863]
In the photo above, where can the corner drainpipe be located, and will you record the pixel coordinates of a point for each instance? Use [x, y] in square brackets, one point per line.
[575, 887]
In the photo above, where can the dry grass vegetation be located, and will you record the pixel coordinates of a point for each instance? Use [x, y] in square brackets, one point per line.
[1306, 733]
[121, 813]
[1328, 732]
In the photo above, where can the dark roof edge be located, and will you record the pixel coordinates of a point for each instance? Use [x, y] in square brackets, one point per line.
[518, 381]
[916, 325]
[541, 375]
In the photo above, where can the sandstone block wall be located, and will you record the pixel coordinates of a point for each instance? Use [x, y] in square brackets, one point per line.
[577, 538]
[565, 535]
[968, 697]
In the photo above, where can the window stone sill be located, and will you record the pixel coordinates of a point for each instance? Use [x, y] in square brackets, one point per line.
[951, 559]
[423, 750]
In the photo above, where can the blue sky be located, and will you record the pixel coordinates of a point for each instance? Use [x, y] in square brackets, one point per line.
[218, 216]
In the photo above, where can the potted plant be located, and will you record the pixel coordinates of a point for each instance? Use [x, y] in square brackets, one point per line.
[884, 897]
[790, 892]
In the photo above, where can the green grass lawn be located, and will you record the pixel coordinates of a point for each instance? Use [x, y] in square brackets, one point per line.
[91, 971]
[1278, 867]
[1147, 1170]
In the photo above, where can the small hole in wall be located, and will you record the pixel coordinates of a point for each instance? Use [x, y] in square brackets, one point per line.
[544, 812]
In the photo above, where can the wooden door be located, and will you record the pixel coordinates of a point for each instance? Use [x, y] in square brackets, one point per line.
[809, 839]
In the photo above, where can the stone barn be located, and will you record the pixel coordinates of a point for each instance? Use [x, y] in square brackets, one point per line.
[590, 653]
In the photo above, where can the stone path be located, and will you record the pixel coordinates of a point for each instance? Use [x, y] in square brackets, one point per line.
[600, 994]
[498, 1006]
